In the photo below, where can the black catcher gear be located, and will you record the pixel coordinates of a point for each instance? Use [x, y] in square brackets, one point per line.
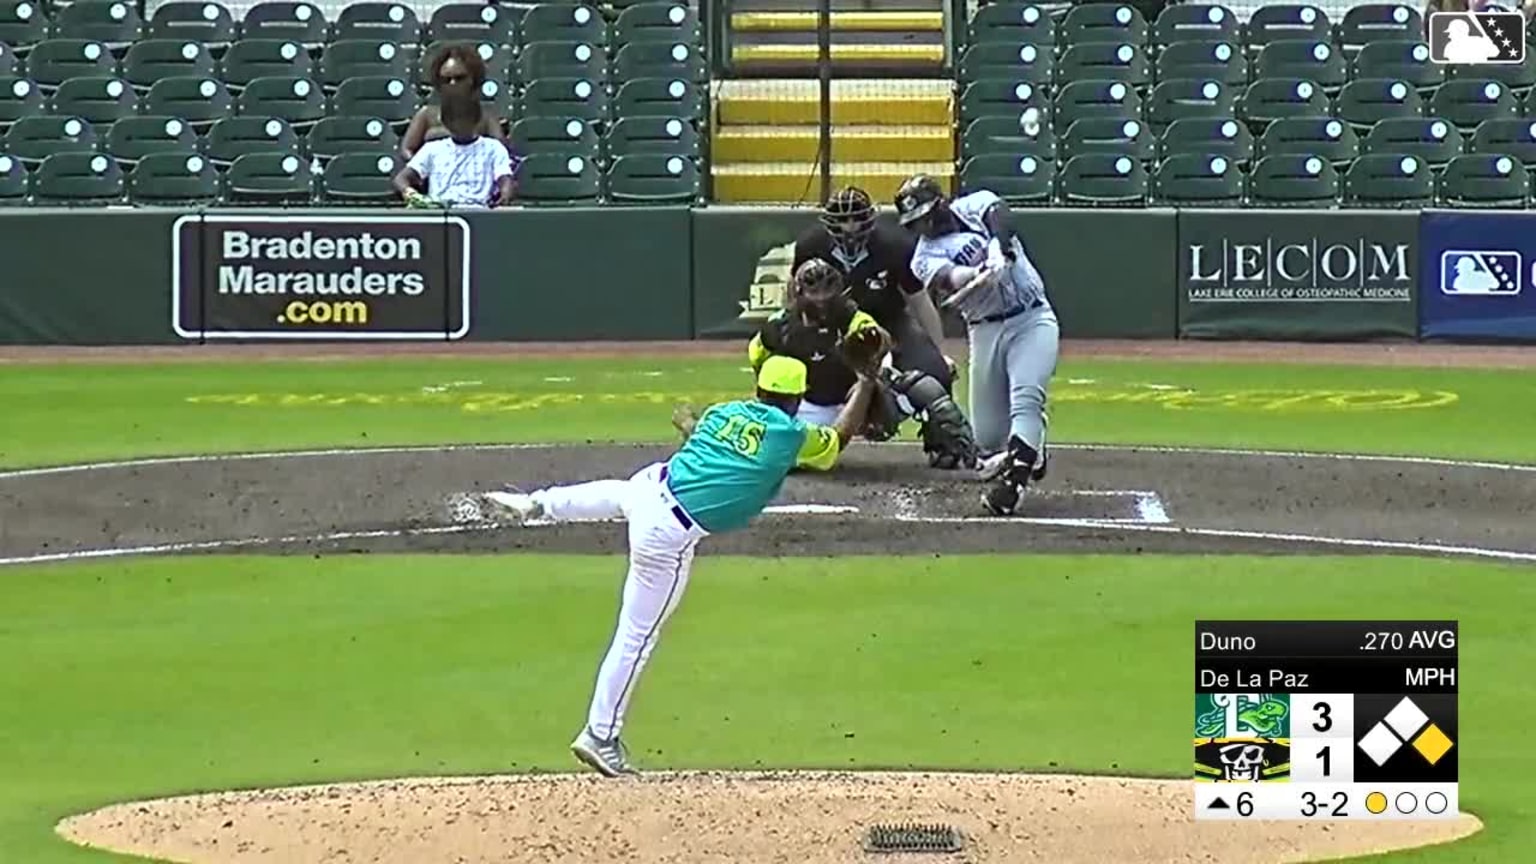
[918, 197]
[947, 435]
[819, 293]
[849, 217]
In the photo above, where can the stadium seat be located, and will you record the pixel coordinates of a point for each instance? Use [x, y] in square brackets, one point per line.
[150, 60]
[132, 138]
[1484, 180]
[1109, 135]
[666, 136]
[199, 101]
[499, 61]
[357, 58]
[78, 178]
[19, 97]
[664, 21]
[1095, 99]
[361, 178]
[1189, 98]
[1272, 22]
[233, 137]
[1389, 180]
[390, 99]
[1105, 61]
[1269, 99]
[1294, 180]
[1366, 23]
[1179, 22]
[651, 178]
[1022, 134]
[1328, 137]
[211, 24]
[1402, 59]
[1205, 61]
[1207, 137]
[249, 59]
[269, 178]
[1020, 180]
[1103, 22]
[296, 100]
[652, 58]
[562, 60]
[22, 23]
[663, 97]
[1307, 59]
[167, 179]
[377, 22]
[565, 22]
[472, 22]
[98, 100]
[10, 64]
[560, 135]
[1430, 139]
[115, 23]
[285, 21]
[32, 139]
[1468, 102]
[1365, 101]
[15, 182]
[1017, 23]
[565, 97]
[499, 99]
[558, 178]
[1197, 180]
[1519, 77]
[1509, 136]
[999, 97]
[53, 61]
[1101, 179]
[334, 136]
[1019, 60]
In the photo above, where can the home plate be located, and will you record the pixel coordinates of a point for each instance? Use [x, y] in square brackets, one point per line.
[810, 509]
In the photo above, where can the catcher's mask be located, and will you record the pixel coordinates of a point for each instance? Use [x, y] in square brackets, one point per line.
[849, 217]
[919, 203]
[818, 291]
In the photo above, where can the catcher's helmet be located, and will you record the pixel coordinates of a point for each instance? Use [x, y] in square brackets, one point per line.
[817, 288]
[917, 198]
[849, 216]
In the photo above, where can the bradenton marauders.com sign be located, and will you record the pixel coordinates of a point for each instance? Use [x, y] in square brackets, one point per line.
[320, 277]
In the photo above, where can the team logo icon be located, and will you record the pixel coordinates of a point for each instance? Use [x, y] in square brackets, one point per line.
[1476, 38]
[1242, 737]
[1486, 272]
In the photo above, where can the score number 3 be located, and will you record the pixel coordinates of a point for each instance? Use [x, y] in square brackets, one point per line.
[743, 434]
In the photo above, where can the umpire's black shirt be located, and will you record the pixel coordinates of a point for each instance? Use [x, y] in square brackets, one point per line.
[881, 276]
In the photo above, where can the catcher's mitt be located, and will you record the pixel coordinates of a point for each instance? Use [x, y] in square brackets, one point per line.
[865, 348]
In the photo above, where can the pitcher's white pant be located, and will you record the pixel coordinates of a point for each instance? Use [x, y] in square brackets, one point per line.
[820, 415]
[660, 558]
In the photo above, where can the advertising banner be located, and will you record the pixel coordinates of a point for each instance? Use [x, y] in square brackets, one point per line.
[304, 276]
[1279, 274]
[1478, 270]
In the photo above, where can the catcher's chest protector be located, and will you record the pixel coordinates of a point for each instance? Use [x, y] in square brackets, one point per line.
[828, 378]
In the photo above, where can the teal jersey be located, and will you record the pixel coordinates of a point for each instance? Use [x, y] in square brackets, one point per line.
[736, 460]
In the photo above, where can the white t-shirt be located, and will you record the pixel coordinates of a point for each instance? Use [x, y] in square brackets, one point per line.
[967, 247]
[462, 174]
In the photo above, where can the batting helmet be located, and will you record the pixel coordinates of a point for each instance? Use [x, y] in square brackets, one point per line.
[918, 197]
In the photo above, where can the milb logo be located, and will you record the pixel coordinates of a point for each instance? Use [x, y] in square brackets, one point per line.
[1477, 38]
[1481, 272]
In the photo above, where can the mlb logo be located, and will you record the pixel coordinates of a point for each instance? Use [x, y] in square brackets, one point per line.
[1465, 271]
[1477, 38]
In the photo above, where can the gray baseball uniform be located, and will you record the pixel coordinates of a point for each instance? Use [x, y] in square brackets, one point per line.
[1013, 330]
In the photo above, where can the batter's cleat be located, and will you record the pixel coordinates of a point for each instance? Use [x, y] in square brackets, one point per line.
[994, 466]
[608, 758]
[1001, 498]
[523, 508]
[1039, 473]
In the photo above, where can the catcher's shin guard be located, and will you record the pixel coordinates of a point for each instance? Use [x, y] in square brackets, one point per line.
[947, 436]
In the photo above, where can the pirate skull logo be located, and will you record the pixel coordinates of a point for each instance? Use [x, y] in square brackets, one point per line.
[1242, 761]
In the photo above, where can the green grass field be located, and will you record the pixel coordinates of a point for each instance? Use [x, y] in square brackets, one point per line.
[147, 677]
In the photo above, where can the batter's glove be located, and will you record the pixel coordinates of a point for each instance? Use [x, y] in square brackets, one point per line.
[864, 349]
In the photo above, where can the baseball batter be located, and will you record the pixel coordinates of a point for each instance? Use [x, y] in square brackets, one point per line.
[969, 255]
[733, 461]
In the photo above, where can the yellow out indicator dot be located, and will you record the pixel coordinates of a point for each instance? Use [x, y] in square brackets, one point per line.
[1376, 802]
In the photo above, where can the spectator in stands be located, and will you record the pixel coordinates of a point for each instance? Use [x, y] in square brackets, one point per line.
[452, 68]
[466, 169]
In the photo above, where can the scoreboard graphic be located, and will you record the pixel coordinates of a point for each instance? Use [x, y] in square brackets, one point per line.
[1316, 720]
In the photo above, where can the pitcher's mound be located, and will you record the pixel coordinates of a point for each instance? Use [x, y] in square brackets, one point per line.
[745, 818]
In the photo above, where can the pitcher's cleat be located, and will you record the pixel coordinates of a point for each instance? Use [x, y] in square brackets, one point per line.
[607, 758]
[523, 508]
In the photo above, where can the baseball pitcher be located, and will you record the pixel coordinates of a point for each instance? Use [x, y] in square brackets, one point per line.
[969, 255]
[732, 462]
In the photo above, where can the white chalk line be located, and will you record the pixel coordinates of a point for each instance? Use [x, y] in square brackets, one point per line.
[242, 543]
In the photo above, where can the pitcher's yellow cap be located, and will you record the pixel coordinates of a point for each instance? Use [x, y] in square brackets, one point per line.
[782, 375]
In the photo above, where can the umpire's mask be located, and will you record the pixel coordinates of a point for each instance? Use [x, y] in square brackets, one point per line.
[850, 218]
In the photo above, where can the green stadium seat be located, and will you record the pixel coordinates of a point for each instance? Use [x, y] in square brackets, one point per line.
[361, 179]
[1019, 60]
[334, 136]
[19, 97]
[78, 178]
[565, 97]
[98, 100]
[560, 135]
[659, 97]
[299, 101]
[1180, 22]
[1269, 99]
[1108, 135]
[1105, 61]
[1197, 180]
[565, 22]
[1103, 22]
[249, 59]
[999, 97]
[150, 60]
[1015, 23]
[1206, 61]
[1430, 139]
[664, 21]
[472, 22]
[1467, 102]
[377, 22]
[390, 99]
[269, 178]
[1367, 100]
[1308, 59]
[1528, 104]
[32, 139]
[1103, 179]
[210, 23]
[132, 138]
[665, 136]
[499, 99]
[1019, 180]
[169, 179]
[1207, 137]
[10, 64]
[199, 101]
[1294, 180]
[1272, 22]
[357, 58]
[1022, 134]
[1402, 59]
[285, 21]
[1095, 99]
[651, 178]
[53, 61]
[652, 58]
[1509, 136]
[1189, 98]
[499, 61]
[1389, 180]
[233, 137]
[1519, 77]
[23, 23]
[15, 182]
[1328, 137]
[1484, 180]
[1368, 23]
[558, 178]
[115, 23]
[562, 60]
